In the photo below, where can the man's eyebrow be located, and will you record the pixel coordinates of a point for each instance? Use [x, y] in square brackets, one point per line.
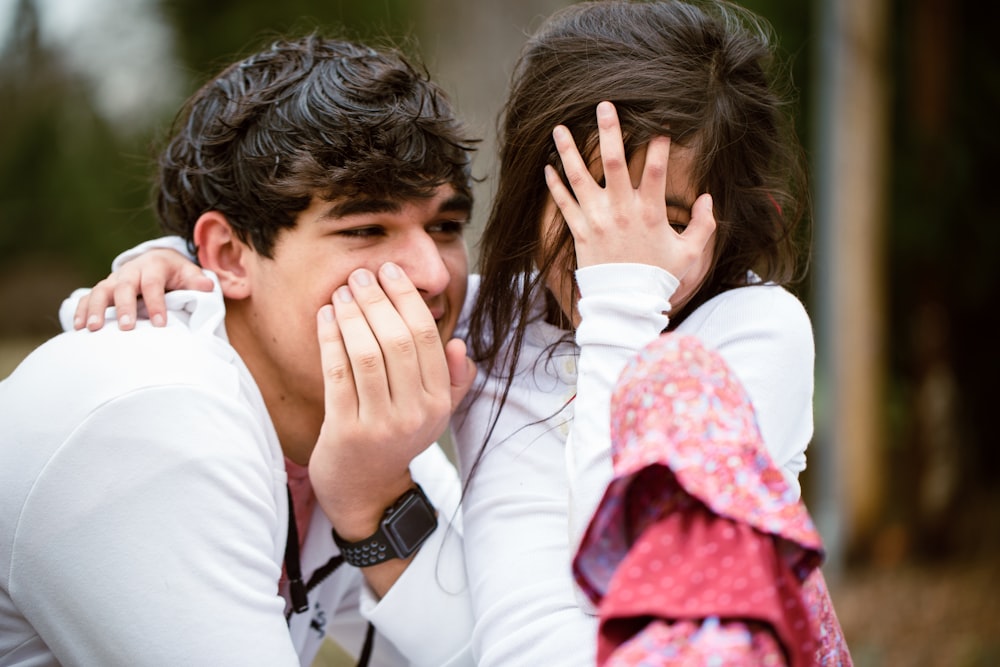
[349, 206]
[361, 206]
[458, 203]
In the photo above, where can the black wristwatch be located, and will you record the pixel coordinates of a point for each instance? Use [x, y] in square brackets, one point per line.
[403, 528]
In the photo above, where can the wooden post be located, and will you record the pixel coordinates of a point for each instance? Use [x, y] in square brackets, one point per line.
[851, 196]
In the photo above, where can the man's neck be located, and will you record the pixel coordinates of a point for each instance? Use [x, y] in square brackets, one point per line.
[297, 427]
[296, 420]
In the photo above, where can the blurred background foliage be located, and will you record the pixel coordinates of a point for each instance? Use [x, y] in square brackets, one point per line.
[88, 89]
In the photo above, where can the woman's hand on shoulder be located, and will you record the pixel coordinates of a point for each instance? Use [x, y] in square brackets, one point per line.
[150, 276]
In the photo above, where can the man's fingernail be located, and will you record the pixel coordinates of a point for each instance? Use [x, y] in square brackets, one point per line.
[390, 270]
[363, 277]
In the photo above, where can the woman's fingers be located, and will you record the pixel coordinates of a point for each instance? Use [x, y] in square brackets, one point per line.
[653, 183]
[563, 198]
[701, 229]
[149, 275]
[578, 175]
[616, 175]
[167, 275]
[626, 219]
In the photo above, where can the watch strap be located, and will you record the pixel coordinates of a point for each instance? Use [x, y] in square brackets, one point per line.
[403, 528]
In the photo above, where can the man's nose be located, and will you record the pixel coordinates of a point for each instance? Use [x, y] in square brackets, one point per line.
[422, 261]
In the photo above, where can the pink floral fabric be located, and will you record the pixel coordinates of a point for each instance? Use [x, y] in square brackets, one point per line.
[699, 552]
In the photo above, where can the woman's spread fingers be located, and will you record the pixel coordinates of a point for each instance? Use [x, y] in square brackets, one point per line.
[703, 223]
[577, 175]
[616, 176]
[561, 196]
[653, 184]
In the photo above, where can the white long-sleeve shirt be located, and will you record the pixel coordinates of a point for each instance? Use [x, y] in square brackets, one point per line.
[144, 514]
[549, 460]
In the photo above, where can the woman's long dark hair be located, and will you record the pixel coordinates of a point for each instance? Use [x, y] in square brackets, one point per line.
[705, 73]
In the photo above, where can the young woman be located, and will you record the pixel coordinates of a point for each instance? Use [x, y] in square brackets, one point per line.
[679, 212]
[705, 141]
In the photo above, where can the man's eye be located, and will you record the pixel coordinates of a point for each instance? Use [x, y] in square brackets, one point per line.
[448, 227]
[361, 232]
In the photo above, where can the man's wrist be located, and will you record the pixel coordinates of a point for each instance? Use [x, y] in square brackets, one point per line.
[402, 528]
[357, 509]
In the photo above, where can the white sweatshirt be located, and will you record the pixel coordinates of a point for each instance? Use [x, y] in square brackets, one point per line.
[144, 514]
[549, 459]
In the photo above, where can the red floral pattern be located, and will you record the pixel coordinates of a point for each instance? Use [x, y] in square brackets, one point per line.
[700, 552]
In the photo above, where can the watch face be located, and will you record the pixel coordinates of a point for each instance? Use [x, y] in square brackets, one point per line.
[410, 524]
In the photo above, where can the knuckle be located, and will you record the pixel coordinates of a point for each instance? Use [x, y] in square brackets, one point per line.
[656, 170]
[401, 343]
[368, 361]
[442, 406]
[427, 334]
[575, 179]
[336, 374]
[370, 297]
[614, 161]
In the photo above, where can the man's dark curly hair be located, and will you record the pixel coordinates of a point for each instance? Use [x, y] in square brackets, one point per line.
[305, 118]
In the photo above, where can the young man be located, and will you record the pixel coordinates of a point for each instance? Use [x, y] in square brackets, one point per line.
[192, 494]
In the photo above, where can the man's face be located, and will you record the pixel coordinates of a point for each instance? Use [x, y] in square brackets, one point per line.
[275, 328]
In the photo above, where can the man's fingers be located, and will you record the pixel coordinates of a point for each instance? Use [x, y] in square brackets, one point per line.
[338, 377]
[424, 348]
[461, 369]
[363, 350]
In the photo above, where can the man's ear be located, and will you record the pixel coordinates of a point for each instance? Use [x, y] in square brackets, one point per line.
[219, 250]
